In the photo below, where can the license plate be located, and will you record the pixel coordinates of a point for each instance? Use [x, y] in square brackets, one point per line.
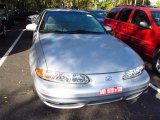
[113, 90]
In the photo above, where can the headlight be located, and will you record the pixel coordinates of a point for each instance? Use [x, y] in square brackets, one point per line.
[133, 73]
[62, 77]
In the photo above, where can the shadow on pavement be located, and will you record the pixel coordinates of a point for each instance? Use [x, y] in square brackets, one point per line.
[24, 43]
[12, 34]
[154, 78]
[147, 106]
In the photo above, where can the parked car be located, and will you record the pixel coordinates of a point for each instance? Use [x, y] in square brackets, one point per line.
[21, 15]
[139, 27]
[75, 62]
[32, 18]
[10, 18]
[3, 30]
[99, 14]
[7, 16]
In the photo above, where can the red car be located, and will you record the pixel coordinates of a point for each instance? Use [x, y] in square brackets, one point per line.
[139, 27]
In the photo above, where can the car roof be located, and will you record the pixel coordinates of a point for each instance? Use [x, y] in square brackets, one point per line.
[97, 10]
[155, 9]
[140, 7]
[66, 10]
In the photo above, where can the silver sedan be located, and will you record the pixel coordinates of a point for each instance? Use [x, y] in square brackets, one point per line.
[74, 62]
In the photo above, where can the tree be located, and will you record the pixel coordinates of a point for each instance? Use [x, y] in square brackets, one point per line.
[81, 4]
[108, 4]
[158, 3]
[74, 3]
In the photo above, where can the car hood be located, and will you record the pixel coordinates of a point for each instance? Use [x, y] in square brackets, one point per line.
[87, 53]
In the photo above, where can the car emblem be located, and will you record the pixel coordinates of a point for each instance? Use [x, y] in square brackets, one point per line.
[108, 78]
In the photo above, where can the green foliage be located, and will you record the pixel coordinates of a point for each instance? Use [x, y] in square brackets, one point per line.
[86, 4]
[158, 3]
[106, 5]
[127, 2]
[81, 4]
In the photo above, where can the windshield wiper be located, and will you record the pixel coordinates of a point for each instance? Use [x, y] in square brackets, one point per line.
[71, 32]
[83, 32]
[51, 31]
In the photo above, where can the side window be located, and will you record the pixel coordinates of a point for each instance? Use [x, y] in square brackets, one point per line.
[113, 13]
[140, 16]
[124, 14]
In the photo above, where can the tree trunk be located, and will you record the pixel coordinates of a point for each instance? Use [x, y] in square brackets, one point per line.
[60, 4]
[73, 3]
[131, 2]
[115, 2]
[143, 2]
[135, 2]
[119, 2]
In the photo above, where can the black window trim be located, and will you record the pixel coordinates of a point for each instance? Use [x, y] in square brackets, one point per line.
[122, 11]
[135, 13]
[114, 18]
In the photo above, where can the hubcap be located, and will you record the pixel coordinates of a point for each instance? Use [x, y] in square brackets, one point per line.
[158, 64]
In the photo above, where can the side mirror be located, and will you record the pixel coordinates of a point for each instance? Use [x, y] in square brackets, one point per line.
[144, 25]
[31, 27]
[108, 29]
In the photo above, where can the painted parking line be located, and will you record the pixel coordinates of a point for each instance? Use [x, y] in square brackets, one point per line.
[10, 49]
[154, 87]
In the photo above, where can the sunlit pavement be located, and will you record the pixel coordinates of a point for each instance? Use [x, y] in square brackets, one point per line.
[18, 102]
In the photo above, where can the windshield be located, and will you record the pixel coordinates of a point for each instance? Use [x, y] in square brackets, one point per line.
[99, 14]
[70, 22]
[156, 17]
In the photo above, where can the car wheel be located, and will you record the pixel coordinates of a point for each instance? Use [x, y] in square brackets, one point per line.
[14, 22]
[156, 62]
[8, 26]
[4, 34]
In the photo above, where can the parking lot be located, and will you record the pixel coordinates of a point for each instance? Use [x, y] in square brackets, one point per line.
[18, 101]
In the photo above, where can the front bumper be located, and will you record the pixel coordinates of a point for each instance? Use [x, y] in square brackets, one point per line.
[67, 96]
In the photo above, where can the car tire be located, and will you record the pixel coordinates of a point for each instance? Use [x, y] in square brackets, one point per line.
[8, 25]
[13, 22]
[156, 62]
[4, 34]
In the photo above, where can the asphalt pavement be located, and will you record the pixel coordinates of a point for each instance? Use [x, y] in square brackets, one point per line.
[18, 101]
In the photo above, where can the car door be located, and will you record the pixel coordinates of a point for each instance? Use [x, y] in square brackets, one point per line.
[110, 19]
[140, 38]
[121, 28]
